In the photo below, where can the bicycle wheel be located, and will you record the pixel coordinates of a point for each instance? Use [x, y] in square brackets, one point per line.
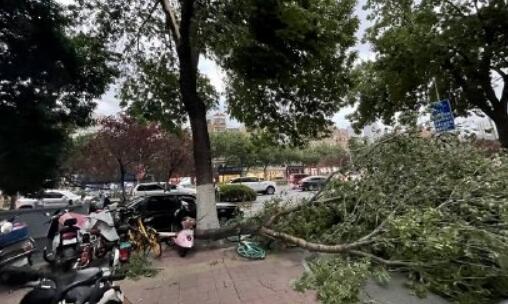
[251, 251]
[154, 244]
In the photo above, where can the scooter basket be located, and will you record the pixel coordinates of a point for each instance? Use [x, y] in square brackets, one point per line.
[19, 233]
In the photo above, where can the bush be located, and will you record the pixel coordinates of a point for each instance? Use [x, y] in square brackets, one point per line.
[139, 266]
[236, 193]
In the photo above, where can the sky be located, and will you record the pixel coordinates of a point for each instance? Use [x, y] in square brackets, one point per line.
[108, 104]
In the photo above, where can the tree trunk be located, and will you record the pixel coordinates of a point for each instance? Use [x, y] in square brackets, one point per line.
[265, 169]
[12, 202]
[501, 122]
[188, 56]
[206, 209]
[122, 180]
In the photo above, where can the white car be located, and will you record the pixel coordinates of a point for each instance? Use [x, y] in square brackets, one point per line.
[144, 189]
[256, 184]
[48, 198]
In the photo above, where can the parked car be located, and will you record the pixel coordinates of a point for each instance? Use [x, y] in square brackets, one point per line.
[256, 184]
[312, 183]
[144, 189]
[294, 179]
[160, 209]
[48, 198]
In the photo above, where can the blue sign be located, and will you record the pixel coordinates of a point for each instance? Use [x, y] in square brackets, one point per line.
[442, 116]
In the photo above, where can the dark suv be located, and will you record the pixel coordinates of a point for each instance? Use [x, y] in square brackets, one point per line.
[161, 209]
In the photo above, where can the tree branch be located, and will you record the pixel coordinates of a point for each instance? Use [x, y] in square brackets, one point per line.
[302, 243]
[138, 34]
[456, 8]
[383, 261]
[171, 21]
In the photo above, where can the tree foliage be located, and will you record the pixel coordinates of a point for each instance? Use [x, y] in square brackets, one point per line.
[306, 42]
[234, 148]
[260, 149]
[124, 146]
[458, 48]
[433, 208]
[150, 93]
[48, 80]
[289, 65]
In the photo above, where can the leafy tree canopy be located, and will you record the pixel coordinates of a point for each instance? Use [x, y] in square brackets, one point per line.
[48, 80]
[287, 62]
[458, 48]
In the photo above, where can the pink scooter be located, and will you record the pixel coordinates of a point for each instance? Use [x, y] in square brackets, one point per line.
[183, 239]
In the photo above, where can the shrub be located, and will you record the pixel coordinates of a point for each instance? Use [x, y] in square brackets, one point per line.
[236, 193]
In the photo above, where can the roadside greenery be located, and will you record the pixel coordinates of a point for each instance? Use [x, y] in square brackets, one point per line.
[49, 80]
[435, 209]
[430, 50]
[236, 193]
[258, 149]
[139, 266]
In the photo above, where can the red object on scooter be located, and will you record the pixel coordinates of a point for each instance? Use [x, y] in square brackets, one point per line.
[124, 252]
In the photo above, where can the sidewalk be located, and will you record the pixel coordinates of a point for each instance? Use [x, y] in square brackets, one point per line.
[212, 277]
[220, 276]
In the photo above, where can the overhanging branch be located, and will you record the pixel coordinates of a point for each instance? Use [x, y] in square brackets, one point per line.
[171, 20]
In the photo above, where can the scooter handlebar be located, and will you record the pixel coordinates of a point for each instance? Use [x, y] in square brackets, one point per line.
[117, 277]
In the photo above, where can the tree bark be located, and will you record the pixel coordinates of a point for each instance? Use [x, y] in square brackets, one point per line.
[122, 179]
[12, 202]
[501, 122]
[188, 59]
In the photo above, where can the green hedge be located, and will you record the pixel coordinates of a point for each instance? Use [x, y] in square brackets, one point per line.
[236, 193]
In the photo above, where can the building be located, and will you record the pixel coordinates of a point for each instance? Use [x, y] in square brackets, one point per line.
[342, 137]
[217, 123]
[337, 136]
[220, 122]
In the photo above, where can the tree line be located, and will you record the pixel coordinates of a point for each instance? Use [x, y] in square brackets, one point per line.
[249, 150]
[124, 147]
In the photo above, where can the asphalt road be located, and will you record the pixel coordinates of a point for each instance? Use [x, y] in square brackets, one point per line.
[283, 193]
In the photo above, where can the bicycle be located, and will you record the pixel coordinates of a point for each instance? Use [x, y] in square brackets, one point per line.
[143, 238]
[248, 249]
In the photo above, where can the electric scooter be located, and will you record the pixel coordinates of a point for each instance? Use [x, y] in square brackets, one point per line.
[183, 239]
[16, 248]
[88, 286]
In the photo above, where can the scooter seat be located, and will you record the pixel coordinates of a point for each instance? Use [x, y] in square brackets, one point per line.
[80, 278]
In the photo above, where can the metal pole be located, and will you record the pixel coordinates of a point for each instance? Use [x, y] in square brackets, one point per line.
[437, 91]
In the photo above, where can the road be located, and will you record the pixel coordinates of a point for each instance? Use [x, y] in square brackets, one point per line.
[284, 193]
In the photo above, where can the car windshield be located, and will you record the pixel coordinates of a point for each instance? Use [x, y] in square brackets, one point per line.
[134, 202]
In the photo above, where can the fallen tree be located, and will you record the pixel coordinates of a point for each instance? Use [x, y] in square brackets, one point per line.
[436, 209]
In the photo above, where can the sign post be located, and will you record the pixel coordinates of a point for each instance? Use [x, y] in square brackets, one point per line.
[442, 116]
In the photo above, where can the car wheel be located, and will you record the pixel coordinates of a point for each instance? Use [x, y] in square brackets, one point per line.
[270, 190]
[70, 202]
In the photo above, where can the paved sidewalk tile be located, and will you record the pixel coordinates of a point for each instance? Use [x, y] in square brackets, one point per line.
[220, 277]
